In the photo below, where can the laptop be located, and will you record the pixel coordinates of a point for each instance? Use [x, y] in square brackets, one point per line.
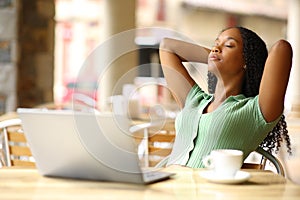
[84, 145]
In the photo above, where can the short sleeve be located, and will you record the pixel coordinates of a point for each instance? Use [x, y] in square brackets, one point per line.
[195, 94]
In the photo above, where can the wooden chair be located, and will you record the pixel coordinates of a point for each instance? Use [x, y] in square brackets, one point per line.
[158, 139]
[15, 150]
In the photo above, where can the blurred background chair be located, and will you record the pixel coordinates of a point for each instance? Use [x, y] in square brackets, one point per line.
[156, 141]
[15, 150]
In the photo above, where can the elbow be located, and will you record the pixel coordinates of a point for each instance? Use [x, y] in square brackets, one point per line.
[283, 42]
[165, 44]
[162, 44]
[283, 49]
[283, 45]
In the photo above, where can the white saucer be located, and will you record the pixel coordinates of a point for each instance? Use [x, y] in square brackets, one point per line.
[240, 177]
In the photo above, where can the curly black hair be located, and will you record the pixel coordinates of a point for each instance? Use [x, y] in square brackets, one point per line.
[255, 54]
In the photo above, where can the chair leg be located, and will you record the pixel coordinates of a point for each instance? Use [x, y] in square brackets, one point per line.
[5, 149]
[2, 158]
[146, 135]
[263, 162]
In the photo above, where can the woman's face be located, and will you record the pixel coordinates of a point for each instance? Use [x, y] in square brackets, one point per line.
[226, 56]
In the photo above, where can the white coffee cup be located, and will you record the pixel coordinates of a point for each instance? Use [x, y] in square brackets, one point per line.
[224, 162]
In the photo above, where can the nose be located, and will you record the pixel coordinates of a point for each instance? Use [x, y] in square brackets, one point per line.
[216, 49]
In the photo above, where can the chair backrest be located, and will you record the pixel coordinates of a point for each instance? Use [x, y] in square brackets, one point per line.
[157, 141]
[15, 150]
[265, 158]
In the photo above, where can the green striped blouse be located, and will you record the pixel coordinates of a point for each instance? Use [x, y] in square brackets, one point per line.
[236, 124]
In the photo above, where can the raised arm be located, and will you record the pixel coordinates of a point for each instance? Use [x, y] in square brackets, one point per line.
[172, 53]
[275, 79]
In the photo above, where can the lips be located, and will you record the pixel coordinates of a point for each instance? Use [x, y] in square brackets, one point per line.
[214, 57]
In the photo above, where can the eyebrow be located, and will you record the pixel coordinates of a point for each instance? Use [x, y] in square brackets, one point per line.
[228, 38]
